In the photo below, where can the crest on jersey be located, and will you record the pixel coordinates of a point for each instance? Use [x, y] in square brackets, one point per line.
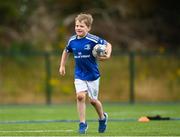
[87, 47]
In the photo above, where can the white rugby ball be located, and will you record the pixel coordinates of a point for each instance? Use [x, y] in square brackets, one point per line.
[99, 50]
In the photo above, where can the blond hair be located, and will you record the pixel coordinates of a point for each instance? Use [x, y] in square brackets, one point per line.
[87, 18]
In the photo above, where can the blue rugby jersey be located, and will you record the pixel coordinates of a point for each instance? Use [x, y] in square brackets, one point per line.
[86, 67]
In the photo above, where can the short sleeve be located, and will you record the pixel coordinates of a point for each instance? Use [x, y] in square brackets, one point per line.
[68, 49]
[102, 41]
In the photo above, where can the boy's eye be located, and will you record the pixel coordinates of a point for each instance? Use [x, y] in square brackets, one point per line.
[81, 26]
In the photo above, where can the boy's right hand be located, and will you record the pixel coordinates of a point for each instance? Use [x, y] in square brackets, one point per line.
[62, 71]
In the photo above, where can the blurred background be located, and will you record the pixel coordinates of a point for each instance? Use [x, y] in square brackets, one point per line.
[144, 67]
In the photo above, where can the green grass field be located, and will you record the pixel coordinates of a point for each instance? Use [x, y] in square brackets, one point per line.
[61, 120]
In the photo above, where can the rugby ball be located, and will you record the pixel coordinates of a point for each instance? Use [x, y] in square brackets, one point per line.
[99, 50]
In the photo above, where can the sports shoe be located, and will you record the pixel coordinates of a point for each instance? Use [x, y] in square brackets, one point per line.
[103, 123]
[83, 128]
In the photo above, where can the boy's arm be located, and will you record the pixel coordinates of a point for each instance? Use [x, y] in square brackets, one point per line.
[108, 53]
[62, 69]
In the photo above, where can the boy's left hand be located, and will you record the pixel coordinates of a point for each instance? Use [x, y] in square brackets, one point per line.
[108, 53]
[105, 57]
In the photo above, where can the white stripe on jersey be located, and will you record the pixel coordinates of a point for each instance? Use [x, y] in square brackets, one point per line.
[72, 38]
[93, 36]
[92, 39]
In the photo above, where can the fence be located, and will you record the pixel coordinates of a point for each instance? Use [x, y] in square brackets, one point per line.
[33, 77]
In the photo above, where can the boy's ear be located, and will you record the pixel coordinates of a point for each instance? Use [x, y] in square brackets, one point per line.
[89, 28]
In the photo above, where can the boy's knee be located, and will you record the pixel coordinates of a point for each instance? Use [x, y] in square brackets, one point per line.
[93, 102]
[81, 97]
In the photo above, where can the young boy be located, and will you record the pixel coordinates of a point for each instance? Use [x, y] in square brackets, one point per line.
[87, 75]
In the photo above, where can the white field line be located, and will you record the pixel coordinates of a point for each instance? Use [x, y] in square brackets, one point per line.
[33, 131]
[89, 136]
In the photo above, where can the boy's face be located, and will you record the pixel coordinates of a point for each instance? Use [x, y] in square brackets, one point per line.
[81, 28]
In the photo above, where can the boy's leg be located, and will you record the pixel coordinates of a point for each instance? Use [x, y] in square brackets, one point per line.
[93, 90]
[81, 88]
[103, 117]
[81, 106]
[98, 107]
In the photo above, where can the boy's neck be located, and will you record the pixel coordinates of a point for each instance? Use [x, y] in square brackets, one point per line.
[80, 37]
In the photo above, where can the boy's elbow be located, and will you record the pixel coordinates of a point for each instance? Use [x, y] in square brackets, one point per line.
[109, 50]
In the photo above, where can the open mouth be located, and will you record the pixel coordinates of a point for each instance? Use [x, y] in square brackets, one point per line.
[79, 31]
